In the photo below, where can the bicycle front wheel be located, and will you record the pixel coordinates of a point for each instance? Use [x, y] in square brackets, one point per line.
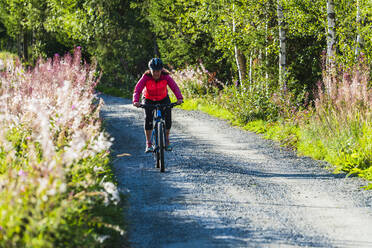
[156, 147]
[161, 140]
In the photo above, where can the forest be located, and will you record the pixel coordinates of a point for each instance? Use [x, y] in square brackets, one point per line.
[238, 40]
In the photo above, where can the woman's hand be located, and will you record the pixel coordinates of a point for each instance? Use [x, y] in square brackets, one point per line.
[136, 104]
[179, 101]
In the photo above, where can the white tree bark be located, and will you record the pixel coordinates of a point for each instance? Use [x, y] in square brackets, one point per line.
[358, 39]
[239, 56]
[267, 56]
[331, 34]
[282, 46]
[250, 67]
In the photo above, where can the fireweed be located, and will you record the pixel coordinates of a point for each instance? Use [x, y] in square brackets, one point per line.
[197, 81]
[51, 144]
[340, 131]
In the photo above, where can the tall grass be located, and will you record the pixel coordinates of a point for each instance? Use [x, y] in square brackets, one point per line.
[55, 181]
[340, 131]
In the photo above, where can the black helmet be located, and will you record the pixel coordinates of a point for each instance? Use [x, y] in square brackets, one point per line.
[156, 64]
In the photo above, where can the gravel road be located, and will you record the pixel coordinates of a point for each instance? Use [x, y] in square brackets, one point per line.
[224, 187]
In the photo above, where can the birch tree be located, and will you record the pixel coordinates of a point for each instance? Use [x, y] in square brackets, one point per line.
[282, 46]
[358, 39]
[239, 56]
[331, 34]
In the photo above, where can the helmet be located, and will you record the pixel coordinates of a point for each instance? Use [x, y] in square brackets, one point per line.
[156, 64]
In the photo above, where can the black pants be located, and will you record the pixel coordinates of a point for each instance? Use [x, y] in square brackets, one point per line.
[149, 114]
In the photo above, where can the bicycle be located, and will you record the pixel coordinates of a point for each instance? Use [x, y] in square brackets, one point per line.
[158, 139]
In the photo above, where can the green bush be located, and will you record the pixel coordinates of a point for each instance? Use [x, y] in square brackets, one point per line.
[7, 55]
[56, 184]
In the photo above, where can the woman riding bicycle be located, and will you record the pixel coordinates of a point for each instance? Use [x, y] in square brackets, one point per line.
[154, 84]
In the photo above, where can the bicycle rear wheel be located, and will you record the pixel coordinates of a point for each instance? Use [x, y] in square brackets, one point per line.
[161, 147]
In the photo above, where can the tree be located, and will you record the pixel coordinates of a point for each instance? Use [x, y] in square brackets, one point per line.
[239, 56]
[282, 47]
[358, 39]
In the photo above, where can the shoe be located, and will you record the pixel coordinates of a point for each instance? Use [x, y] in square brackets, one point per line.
[168, 148]
[149, 149]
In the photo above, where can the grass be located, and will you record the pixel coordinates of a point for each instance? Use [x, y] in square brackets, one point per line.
[207, 107]
[307, 139]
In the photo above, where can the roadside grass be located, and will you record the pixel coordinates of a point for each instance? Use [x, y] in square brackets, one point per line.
[307, 139]
[335, 127]
[207, 107]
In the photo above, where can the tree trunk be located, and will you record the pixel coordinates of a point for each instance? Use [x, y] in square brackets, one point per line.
[156, 48]
[239, 57]
[19, 45]
[331, 34]
[267, 56]
[282, 46]
[25, 46]
[241, 64]
[250, 67]
[358, 39]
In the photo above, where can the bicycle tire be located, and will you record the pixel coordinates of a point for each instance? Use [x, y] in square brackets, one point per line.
[161, 139]
[156, 148]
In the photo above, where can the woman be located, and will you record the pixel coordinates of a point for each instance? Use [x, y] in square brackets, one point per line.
[154, 84]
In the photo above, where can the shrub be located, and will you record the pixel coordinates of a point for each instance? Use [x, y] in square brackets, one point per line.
[54, 157]
[197, 82]
[342, 120]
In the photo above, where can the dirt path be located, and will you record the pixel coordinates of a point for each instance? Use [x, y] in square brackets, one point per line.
[224, 187]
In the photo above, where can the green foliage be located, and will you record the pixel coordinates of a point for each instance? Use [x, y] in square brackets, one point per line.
[73, 217]
[183, 38]
[7, 55]
[56, 182]
[110, 32]
[115, 91]
[207, 107]
[249, 103]
[338, 130]
[257, 126]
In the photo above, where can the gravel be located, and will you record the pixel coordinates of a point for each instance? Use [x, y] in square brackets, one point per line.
[224, 187]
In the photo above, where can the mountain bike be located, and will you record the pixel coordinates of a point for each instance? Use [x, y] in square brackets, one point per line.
[158, 139]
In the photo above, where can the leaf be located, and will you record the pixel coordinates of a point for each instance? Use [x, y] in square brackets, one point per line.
[124, 155]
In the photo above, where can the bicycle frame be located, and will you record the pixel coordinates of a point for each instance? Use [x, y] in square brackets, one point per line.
[158, 142]
[154, 137]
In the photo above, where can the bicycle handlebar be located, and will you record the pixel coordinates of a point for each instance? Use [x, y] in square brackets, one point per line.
[167, 105]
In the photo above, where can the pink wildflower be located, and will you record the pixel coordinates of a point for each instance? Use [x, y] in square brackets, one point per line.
[346, 76]
[22, 173]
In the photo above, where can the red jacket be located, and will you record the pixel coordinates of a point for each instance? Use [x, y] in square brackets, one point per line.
[155, 90]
